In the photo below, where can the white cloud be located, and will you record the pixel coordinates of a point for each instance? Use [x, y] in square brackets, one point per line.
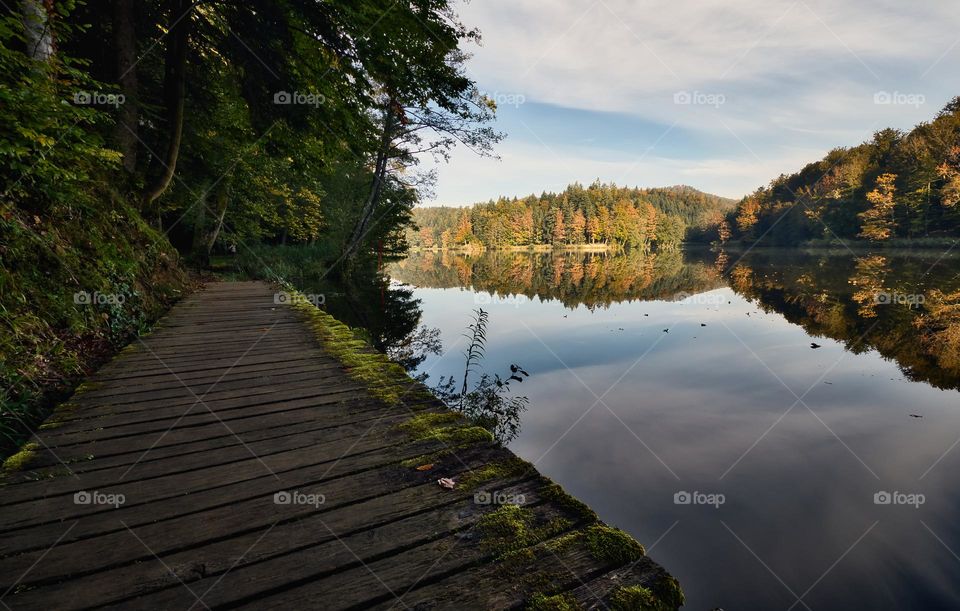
[795, 75]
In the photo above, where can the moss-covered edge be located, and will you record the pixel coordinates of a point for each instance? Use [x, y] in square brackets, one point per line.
[507, 531]
[383, 378]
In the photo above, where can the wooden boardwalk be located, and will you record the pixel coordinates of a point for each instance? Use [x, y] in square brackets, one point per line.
[228, 460]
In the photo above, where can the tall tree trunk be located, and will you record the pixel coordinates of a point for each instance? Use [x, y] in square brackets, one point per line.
[174, 84]
[221, 201]
[197, 251]
[370, 205]
[35, 15]
[125, 40]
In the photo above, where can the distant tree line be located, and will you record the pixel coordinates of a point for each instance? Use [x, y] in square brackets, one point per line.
[598, 214]
[897, 185]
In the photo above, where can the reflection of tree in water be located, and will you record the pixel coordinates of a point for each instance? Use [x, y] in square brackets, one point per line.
[868, 278]
[721, 262]
[594, 279]
[391, 316]
[940, 329]
[389, 313]
[837, 297]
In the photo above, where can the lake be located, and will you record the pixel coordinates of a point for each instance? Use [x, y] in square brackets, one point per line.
[774, 426]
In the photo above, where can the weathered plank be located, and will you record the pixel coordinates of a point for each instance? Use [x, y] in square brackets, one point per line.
[232, 400]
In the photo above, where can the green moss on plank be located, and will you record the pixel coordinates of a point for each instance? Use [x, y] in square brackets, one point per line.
[384, 379]
[612, 545]
[499, 469]
[608, 545]
[554, 493]
[556, 602]
[668, 592]
[88, 387]
[17, 462]
[447, 427]
[507, 528]
[510, 531]
[633, 598]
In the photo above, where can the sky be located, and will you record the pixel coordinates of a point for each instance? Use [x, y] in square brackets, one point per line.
[721, 95]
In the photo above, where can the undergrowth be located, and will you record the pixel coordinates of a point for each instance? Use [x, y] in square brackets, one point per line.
[72, 292]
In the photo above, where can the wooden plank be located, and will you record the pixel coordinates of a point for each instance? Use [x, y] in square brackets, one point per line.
[341, 488]
[197, 415]
[360, 566]
[315, 388]
[203, 383]
[181, 462]
[158, 499]
[278, 414]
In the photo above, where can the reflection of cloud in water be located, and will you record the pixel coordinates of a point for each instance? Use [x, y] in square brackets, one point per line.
[799, 499]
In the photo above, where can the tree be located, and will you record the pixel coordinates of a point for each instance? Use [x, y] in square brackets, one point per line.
[464, 229]
[949, 171]
[747, 215]
[559, 232]
[628, 228]
[593, 229]
[180, 22]
[670, 232]
[426, 237]
[578, 223]
[125, 40]
[723, 231]
[522, 227]
[878, 221]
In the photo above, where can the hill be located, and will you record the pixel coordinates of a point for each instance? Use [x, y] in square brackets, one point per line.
[598, 214]
[898, 188]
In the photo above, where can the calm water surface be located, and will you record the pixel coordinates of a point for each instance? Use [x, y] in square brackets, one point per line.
[732, 400]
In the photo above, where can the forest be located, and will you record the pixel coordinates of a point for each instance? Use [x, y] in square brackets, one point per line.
[598, 214]
[140, 138]
[896, 188]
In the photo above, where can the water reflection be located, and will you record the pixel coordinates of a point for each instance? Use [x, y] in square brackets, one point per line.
[388, 312]
[733, 400]
[905, 306]
[592, 279]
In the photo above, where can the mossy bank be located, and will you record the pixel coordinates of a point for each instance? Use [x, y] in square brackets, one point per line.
[76, 285]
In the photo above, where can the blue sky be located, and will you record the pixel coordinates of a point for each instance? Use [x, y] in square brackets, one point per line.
[722, 95]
